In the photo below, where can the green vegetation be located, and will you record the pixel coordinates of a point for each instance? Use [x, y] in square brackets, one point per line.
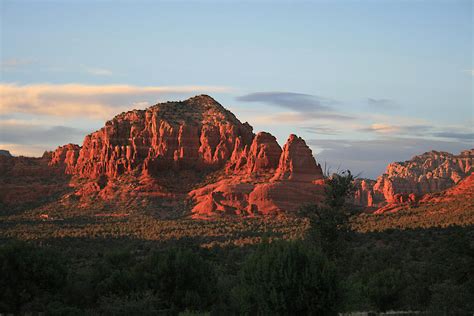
[444, 214]
[427, 269]
[223, 232]
[287, 278]
[315, 265]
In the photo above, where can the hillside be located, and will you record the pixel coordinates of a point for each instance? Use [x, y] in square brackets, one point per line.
[453, 206]
[408, 181]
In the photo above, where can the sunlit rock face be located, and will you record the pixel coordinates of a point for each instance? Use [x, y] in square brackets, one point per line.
[464, 189]
[269, 189]
[408, 181]
[194, 134]
[195, 150]
[65, 156]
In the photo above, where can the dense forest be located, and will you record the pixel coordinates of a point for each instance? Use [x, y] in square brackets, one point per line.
[329, 270]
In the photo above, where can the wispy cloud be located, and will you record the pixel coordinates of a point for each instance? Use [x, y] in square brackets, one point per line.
[381, 104]
[469, 71]
[24, 150]
[383, 128]
[28, 133]
[456, 135]
[427, 131]
[16, 62]
[295, 101]
[321, 130]
[295, 118]
[370, 157]
[92, 101]
[99, 71]
[304, 107]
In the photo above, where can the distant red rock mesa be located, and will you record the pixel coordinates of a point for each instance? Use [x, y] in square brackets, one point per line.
[410, 181]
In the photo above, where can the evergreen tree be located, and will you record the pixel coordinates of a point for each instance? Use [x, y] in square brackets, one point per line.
[287, 278]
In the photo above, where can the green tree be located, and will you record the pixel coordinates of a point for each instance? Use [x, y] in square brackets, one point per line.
[286, 278]
[29, 277]
[338, 188]
[329, 222]
[180, 278]
[385, 288]
[449, 298]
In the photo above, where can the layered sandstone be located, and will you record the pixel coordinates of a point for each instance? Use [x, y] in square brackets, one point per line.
[170, 149]
[66, 157]
[194, 134]
[261, 156]
[458, 199]
[297, 180]
[364, 194]
[408, 181]
[464, 190]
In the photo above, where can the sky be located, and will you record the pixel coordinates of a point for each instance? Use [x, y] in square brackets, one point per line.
[365, 83]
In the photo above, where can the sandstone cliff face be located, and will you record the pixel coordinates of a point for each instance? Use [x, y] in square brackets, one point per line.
[457, 200]
[406, 182]
[464, 190]
[430, 172]
[66, 157]
[269, 189]
[194, 134]
[364, 194]
[167, 150]
[297, 162]
[262, 156]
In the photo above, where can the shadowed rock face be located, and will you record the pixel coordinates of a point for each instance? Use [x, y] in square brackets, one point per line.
[29, 182]
[5, 153]
[167, 150]
[408, 181]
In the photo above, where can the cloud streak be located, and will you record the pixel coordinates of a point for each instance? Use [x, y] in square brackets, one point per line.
[33, 138]
[383, 128]
[470, 71]
[370, 157]
[456, 135]
[294, 101]
[321, 130]
[99, 72]
[304, 107]
[16, 62]
[381, 104]
[295, 118]
[460, 134]
[91, 101]
[24, 133]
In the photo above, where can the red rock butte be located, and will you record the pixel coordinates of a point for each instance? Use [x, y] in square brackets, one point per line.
[194, 150]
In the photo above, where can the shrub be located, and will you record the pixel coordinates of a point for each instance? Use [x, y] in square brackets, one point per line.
[287, 278]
